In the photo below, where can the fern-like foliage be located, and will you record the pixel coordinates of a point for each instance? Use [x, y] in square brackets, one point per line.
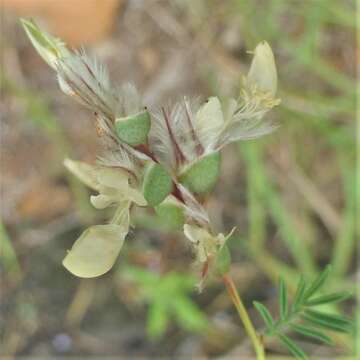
[300, 317]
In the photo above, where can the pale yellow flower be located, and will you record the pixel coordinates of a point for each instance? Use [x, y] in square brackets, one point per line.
[205, 244]
[262, 71]
[95, 251]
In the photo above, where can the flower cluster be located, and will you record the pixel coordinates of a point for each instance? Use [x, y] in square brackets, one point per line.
[168, 158]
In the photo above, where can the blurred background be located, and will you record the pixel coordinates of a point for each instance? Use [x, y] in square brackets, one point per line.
[291, 194]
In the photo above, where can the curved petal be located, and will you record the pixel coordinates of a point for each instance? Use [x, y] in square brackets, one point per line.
[195, 234]
[86, 173]
[209, 121]
[101, 201]
[263, 70]
[135, 196]
[114, 178]
[95, 251]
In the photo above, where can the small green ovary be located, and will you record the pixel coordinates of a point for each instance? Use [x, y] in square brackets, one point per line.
[157, 184]
[133, 129]
[203, 175]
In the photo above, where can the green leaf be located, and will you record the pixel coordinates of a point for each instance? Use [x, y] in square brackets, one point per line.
[157, 320]
[157, 184]
[202, 176]
[171, 214]
[328, 321]
[265, 314]
[139, 275]
[283, 302]
[292, 347]
[317, 283]
[312, 333]
[133, 129]
[330, 298]
[299, 296]
[188, 315]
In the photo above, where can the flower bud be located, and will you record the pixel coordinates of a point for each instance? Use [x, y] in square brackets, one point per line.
[133, 129]
[48, 47]
[157, 184]
[262, 71]
[95, 251]
[202, 176]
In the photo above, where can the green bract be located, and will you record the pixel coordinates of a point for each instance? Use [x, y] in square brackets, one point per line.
[171, 214]
[133, 129]
[223, 261]
[201, 177]
[157, 184]
[95, 251]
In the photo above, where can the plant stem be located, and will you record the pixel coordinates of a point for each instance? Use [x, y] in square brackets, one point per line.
[249, 327]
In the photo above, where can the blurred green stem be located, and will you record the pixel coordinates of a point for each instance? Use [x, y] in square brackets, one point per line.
[8, 254]
[248, 325]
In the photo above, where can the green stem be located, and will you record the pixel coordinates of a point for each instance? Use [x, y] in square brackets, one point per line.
[248, 325]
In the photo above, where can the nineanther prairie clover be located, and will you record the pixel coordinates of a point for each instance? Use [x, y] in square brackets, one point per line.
[167, 158]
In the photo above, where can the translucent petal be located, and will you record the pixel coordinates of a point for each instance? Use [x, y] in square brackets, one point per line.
[95, 251]
[263, 70]
[84, 172]
[195, 234]
[118, 179]
[115, 178]
[131, 99]
[230, 105]
[209, 121]
[136, 196]
[101, 201]
[122, 216]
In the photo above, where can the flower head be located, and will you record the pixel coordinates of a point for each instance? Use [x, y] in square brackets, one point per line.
[167, 159]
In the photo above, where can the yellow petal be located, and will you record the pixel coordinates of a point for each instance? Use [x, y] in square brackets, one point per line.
[122, 216]
[209, 121]
[114, 178]
[135, 196]
[95, 251]
[195, 234]
[262, 71]
[101, 201]
[119, 179]
[84, 172]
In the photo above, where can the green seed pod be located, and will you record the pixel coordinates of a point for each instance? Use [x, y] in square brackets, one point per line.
[157, 184]
[201, 177]
[223, 261]
[133, 129]
[171, 214]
